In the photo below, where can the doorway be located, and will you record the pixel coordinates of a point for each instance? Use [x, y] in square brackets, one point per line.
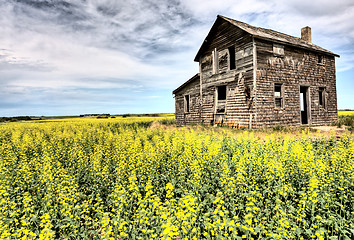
[220, 104]
[304, 100]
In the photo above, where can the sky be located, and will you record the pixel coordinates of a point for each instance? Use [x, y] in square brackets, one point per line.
[71, 57]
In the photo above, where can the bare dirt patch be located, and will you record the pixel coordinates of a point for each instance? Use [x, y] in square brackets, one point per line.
[330, 128]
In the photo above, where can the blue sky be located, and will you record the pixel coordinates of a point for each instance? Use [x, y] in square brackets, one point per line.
[61, 57]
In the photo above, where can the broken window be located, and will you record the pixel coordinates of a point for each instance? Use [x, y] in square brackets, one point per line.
[320, 59]
[278, 49]
[278, 95]
[221, 99]
[248, 93]
[215, 61]
[186, 103]
[206, 63]
[222, 93]
[232, 58]
[220, 108]
[321, 97]
[223, 61]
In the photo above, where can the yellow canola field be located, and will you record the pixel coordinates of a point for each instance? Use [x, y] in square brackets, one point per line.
[344, 113]
[123, 179]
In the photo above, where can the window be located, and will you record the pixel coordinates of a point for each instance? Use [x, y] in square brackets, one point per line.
[248, 93]
[232, 59]
[215, 62]
[320, 59]
[206, 63]
[222, 93]
[221, 99]
[278, 95]
[321, 97]
[278, 49]
[186, 103]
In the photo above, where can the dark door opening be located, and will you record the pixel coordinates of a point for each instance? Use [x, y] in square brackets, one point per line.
[304, 105]
[220, 105]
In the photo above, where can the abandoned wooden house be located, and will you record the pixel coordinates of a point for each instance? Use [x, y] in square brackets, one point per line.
[255, 77]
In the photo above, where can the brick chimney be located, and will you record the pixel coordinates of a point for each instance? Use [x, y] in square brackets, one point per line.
[306, 34]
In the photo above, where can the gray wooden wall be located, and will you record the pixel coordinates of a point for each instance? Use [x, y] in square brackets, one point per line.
[296, 68]
[249, 102]
[238, 106]
[193, 116]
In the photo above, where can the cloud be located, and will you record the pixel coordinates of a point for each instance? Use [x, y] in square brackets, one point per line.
[332, 23]
[85, 50]
[93, 37]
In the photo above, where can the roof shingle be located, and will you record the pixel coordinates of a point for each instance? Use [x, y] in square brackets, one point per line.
[275, 36]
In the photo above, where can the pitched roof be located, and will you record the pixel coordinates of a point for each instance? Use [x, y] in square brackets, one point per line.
[195, 77]
[271, 35]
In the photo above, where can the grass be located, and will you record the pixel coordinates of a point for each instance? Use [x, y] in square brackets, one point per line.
[345, 118]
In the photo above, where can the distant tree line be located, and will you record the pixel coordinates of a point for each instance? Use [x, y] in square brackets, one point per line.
[140, 115]
[15, 119]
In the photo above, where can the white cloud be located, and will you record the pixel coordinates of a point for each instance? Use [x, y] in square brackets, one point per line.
[68, 46]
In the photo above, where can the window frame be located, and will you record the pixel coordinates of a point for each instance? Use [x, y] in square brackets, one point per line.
[320, 59]
[281, 95]
[215, 56]
[322, 97]
[232, 57]
[219, 101]
[218, 95]
[278, 50]
[187, 103]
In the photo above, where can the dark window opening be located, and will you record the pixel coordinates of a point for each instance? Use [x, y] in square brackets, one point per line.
[186, 103]
[222, 93]
[220, 109]
[304, 104]
[320, 59]
[278, 96]
[232, 58]
[248, 92]
[278, 103]
[321, 96]
[215, 56]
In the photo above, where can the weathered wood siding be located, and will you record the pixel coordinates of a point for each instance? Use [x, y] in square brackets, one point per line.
[238, 103]
[250, 86]
[193, 116]
[297, 67]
